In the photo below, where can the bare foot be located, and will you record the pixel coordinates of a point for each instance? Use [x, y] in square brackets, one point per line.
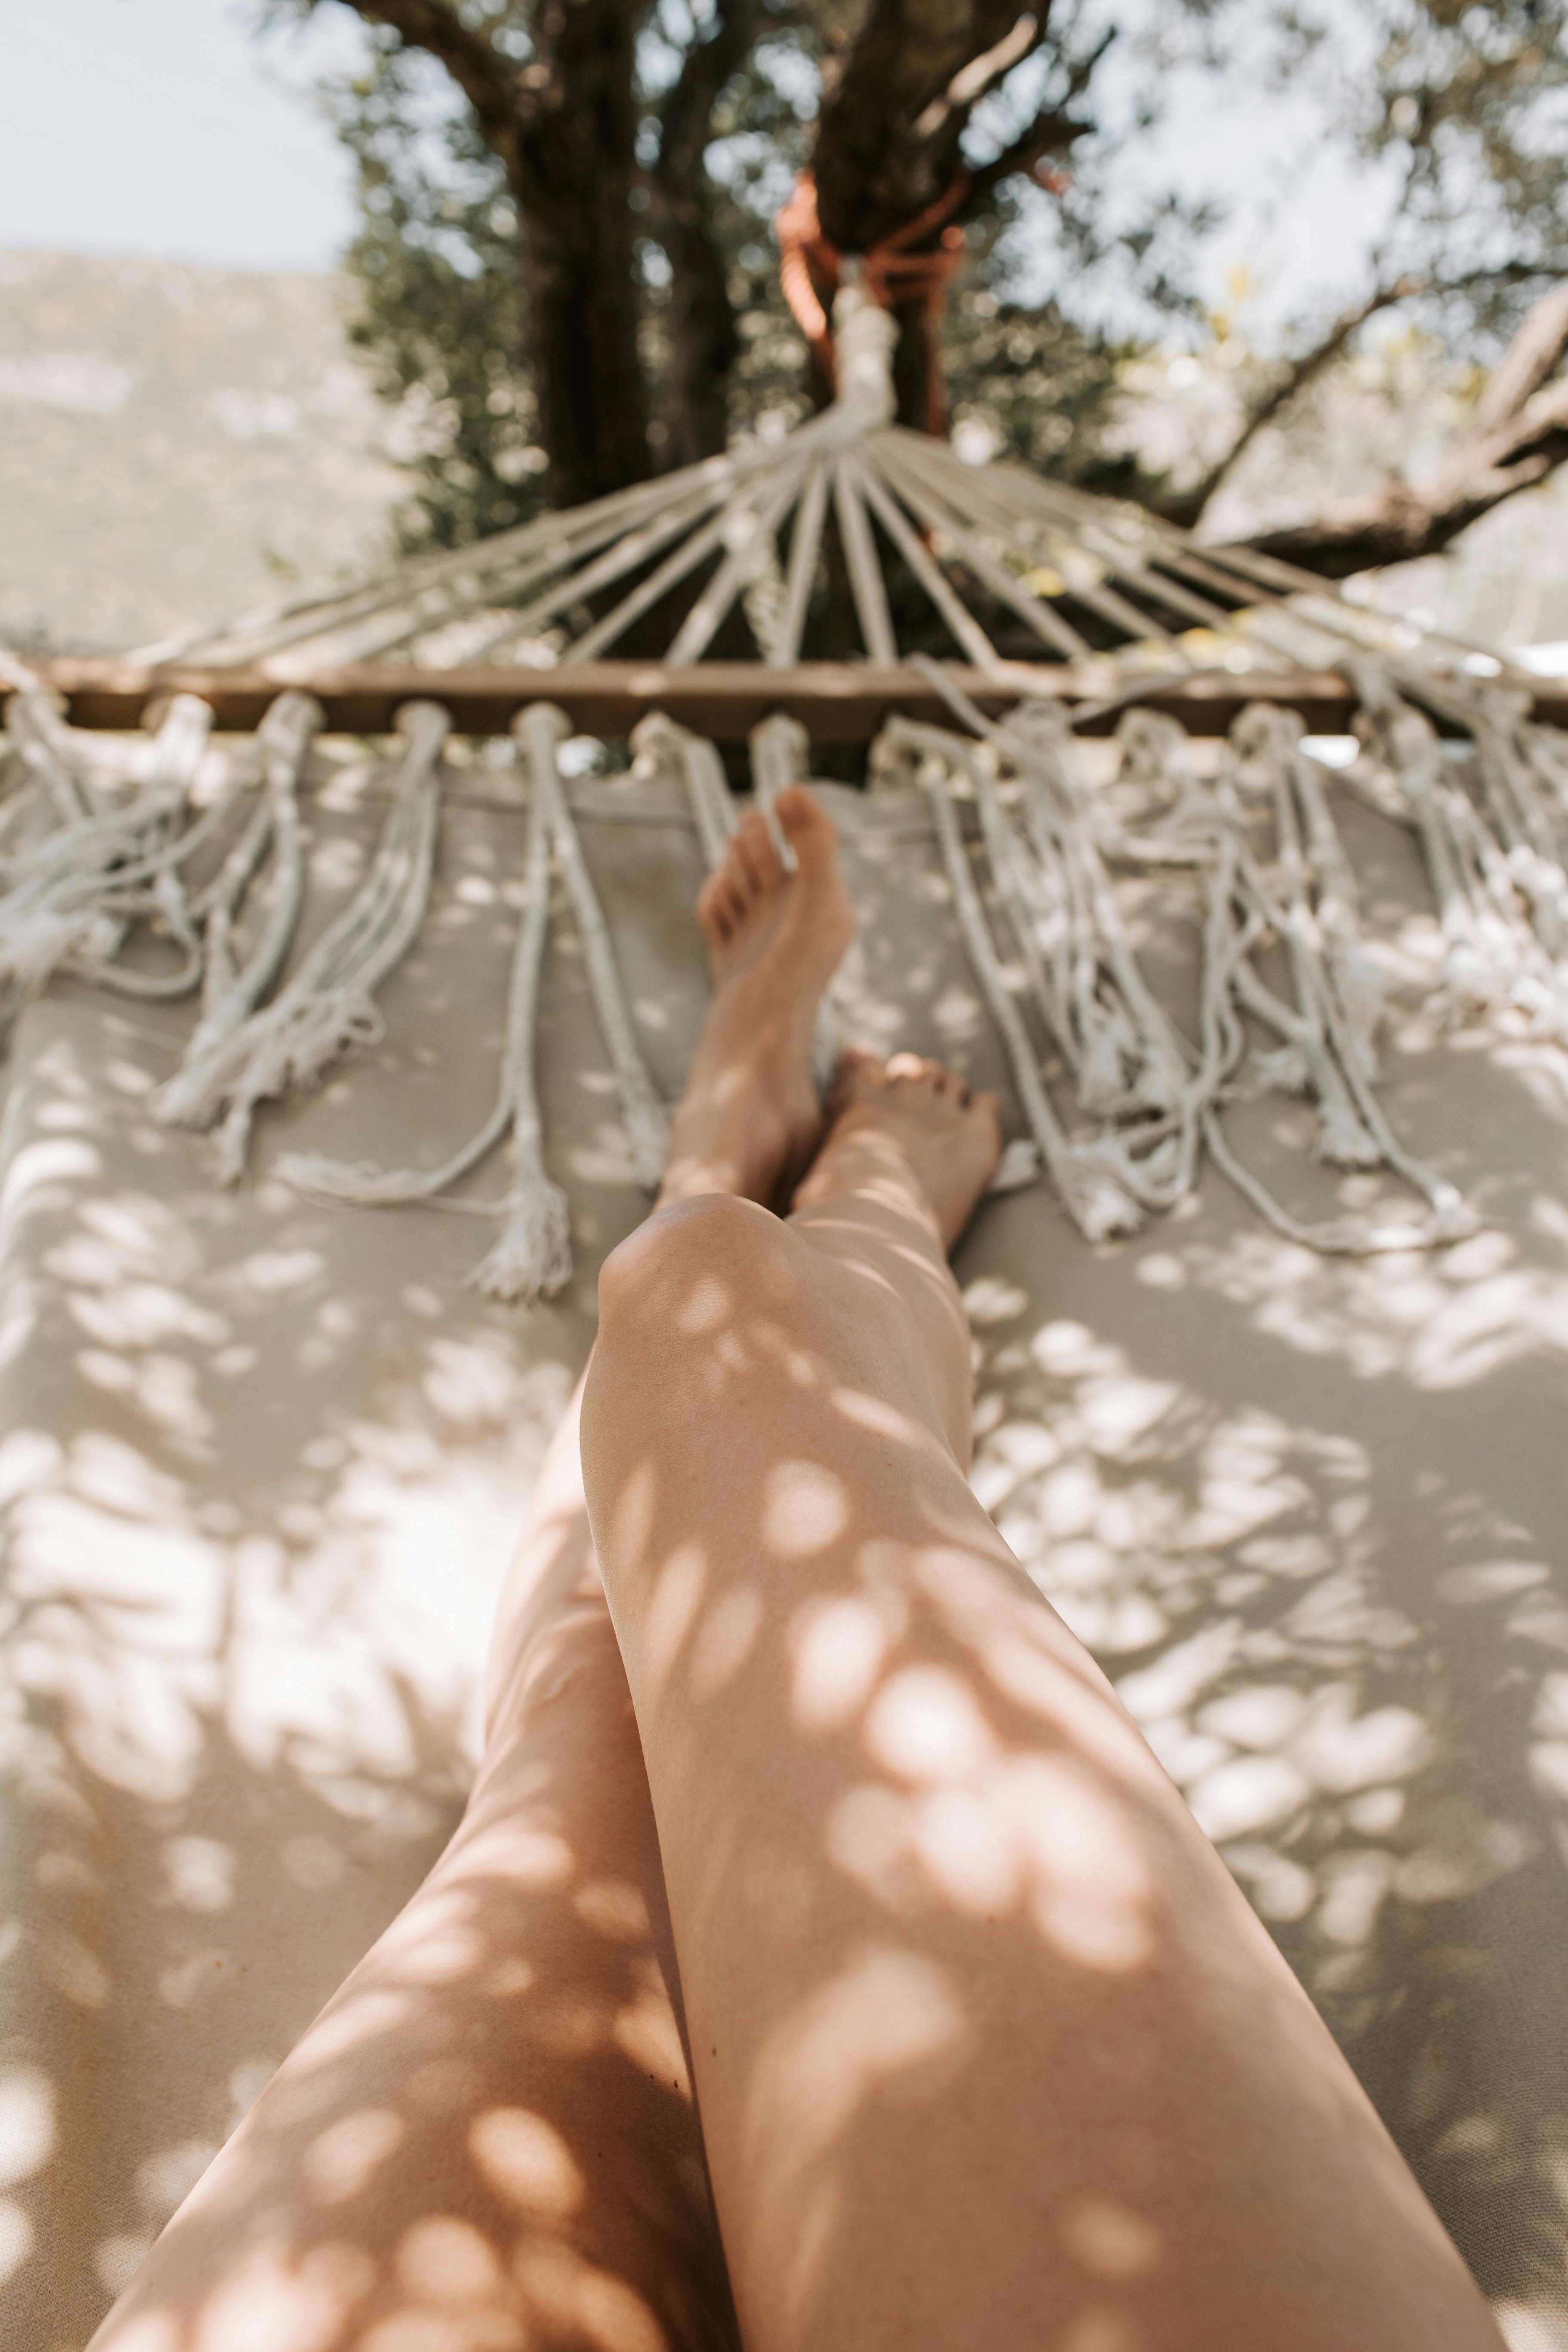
[915, 1123]
[749, 1119]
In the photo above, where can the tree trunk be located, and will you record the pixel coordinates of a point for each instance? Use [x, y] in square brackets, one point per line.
[582, 357]
[917, 364]
[880, 157]
[703, 342]
[889, 141]
[564, 129]
[571, 175]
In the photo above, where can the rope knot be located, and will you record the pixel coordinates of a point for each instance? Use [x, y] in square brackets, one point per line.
[812, 269]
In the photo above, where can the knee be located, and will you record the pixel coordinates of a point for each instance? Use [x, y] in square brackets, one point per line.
[692, 1269]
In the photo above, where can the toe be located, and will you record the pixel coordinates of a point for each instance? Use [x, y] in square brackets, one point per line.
[710, 908]
[933, 1075]
[807, 827]
[732, 871]
[753, 850]
[855, 1073]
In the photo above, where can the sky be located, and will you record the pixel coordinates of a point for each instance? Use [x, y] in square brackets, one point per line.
[165, 129]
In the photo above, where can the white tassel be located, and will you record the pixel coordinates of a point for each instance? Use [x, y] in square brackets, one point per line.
[1267, 739]
[779, 750]
[1355, 981]
[675, 749]
[330, 1003]
[530, 1258]
[541, 729]
[1099, 1205]
[1503, 897]
[45, 746]
[1282, 1070]
[1342, 1140]
[76, 894]
[193, 1094]
[1109, 1050]
[1032, 894]
[1141, 1064]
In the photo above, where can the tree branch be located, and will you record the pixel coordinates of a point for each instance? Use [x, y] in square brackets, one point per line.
[876, 168]
[1185, 507]
[686, 116]
[496, 89]
[1050, 133]
[1517, 436]
[1508, 394]
[562, 128]
[972, 82]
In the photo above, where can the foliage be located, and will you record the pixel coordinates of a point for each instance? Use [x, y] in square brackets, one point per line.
[1449, 116]
[438, 301]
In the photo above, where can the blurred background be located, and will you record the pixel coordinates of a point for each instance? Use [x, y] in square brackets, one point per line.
[289, 288]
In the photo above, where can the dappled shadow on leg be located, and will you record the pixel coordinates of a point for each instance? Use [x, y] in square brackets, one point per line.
[488, 2139]
[989, 2046]
[1307, 1517]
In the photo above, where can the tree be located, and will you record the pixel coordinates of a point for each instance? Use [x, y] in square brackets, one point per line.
[1466, 106]
[566, 248]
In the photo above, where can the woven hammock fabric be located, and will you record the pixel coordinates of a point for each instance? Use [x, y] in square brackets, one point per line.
[1270, 1302]
[263, 1459]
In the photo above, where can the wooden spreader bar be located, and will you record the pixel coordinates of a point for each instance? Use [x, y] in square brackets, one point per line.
[839, 702]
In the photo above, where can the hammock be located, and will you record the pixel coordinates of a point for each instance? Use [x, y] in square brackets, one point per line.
[260, 1483]
[1121, 1107]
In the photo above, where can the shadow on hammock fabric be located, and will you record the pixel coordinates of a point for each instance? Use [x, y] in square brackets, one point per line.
[264, 1457]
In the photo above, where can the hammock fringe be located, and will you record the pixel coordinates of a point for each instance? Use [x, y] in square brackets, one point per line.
[1121, 1103]
[330, 1003]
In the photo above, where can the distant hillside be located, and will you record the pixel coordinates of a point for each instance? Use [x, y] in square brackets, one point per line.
[176, 445]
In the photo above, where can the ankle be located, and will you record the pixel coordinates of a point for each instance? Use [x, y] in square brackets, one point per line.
[861, 1161]
[741, 1158]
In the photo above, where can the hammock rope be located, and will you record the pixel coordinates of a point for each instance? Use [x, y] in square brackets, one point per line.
[1130, 1063]
[230, 991]
[888, 271]
[532, 1255]
[1034, 856]
[1121, 1107]
[92, 872]
[330, 1003]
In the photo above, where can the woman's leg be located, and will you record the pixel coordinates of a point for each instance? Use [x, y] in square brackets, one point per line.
[990, 2050]
[486, 2140]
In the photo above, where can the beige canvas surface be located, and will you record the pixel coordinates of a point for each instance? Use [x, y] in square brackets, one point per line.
[261, 1465]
